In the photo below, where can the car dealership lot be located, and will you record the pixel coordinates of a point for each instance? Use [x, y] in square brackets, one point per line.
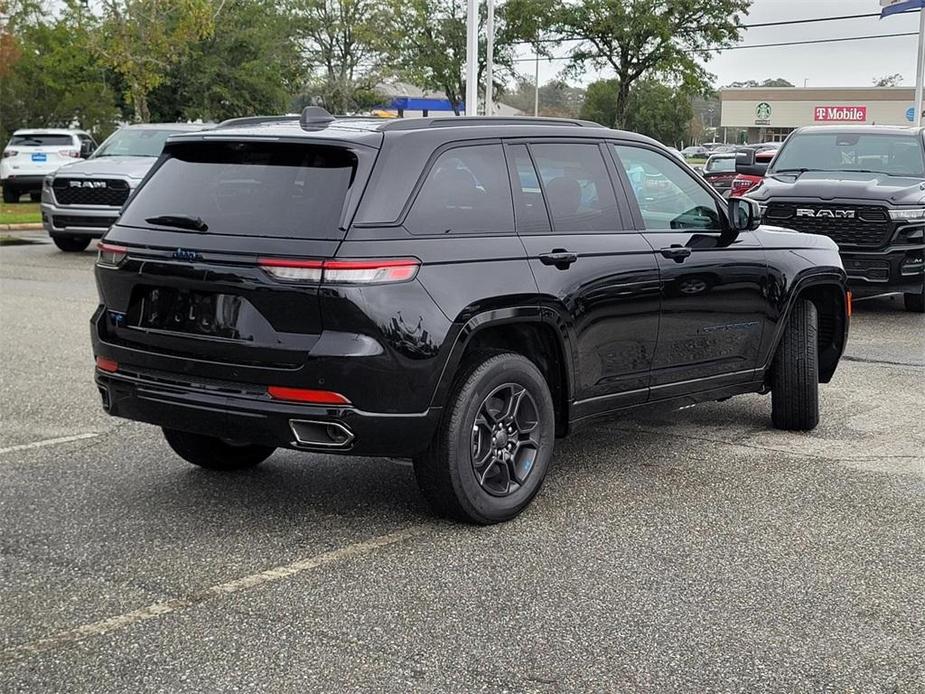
[689, 550]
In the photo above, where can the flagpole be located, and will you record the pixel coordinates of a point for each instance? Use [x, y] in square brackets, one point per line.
[920, 69]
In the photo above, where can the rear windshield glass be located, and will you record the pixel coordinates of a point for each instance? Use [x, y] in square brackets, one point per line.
[248, 189]
[134, 142]
[892, 154]
[721, 165]
[39, 140]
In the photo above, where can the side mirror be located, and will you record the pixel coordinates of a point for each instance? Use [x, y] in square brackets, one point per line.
[699, 169]
[744, 214]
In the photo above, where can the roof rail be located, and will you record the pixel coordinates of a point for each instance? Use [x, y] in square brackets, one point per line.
[255, 120]
[450, 122]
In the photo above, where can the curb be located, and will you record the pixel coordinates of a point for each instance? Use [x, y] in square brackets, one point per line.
[21, 227]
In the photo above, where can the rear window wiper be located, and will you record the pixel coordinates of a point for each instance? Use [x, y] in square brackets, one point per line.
[181, 221]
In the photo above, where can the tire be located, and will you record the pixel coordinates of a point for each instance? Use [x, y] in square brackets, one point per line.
[35, 197]
[454, 484]
[215, 454]
[10, 194]
[71, 244]
[795, 373]
[915, 303]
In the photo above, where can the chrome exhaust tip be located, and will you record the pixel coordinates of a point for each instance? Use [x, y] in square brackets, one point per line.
[320, 434]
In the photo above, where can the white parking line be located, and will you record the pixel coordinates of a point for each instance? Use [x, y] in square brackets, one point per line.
[158, 609]
[46, 442]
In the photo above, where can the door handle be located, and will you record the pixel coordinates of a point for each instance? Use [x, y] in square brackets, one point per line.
[676, 253]
[559, 258]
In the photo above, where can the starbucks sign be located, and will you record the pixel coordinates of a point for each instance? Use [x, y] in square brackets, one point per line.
[763, 113]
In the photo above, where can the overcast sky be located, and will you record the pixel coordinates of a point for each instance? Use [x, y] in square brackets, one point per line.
[848, 64]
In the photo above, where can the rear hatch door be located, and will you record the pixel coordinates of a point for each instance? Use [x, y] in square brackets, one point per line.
[35, 154]
[189, 285]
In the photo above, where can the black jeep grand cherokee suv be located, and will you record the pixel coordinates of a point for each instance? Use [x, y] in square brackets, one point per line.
[456, 291]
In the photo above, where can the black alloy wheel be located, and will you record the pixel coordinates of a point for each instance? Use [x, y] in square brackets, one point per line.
[503, 448]
[494, 444]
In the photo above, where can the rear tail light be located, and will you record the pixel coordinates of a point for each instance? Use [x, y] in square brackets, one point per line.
[377, 271]
[109, 255]
[292, 270]
[75, 153]
[9, 153]
[742, 185]
[307, 395]
[107, 364]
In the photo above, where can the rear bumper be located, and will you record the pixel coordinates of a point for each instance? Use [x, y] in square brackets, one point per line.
[28, 183]
[258, 419]
[74, 220]
[893, 269]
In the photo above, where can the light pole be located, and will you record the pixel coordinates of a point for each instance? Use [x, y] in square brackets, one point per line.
[472, 57]
[489, 57]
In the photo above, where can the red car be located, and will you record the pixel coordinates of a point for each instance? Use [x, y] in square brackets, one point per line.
[744, 182]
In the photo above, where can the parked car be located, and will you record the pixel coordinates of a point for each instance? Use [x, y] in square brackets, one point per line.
[81, 200]
[749, 177]
[863, 187]
[280, 285]
[719, 171]
[695, 152]
[31, 154]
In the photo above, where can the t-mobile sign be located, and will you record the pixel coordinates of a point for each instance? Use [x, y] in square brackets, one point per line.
[850, 114]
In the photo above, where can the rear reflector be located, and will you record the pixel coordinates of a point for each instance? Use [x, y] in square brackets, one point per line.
[318, 397]
[106, 364]
[109, 255]
[849, 307]
[376, 271]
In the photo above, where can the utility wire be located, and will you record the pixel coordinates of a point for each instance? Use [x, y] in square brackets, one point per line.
[760, 45]
[810, 21]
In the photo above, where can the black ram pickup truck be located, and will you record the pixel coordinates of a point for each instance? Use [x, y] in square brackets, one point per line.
[863, 187]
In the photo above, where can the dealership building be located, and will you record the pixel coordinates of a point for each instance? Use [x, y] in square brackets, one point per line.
[769, 114]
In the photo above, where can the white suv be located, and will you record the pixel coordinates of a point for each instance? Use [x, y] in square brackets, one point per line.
[32, 154]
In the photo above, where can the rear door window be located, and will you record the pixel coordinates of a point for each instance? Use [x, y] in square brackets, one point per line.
[577, 187]
[466, 191]
[249, 189]
[529, 205]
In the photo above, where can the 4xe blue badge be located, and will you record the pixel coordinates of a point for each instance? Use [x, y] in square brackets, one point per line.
[185, 254]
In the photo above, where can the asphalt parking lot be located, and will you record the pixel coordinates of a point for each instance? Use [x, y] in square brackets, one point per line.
[696, 550]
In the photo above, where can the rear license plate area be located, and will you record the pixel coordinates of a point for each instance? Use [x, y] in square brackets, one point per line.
[191, 312]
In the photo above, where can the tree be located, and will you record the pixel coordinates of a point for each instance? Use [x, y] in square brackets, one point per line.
[557, 98]
[48, 75]
[249, 65]
[894, 80]
[654, 109]
[431, 40]
[753, 84]
[342, 48]
[142, 40]
[638, 39]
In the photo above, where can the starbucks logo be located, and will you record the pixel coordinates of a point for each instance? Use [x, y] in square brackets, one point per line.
[763, 111]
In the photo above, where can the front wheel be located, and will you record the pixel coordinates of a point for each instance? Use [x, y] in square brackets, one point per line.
[490, 454]
[10, 194]
[795, 372]
[71, 244]
[215, 454]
